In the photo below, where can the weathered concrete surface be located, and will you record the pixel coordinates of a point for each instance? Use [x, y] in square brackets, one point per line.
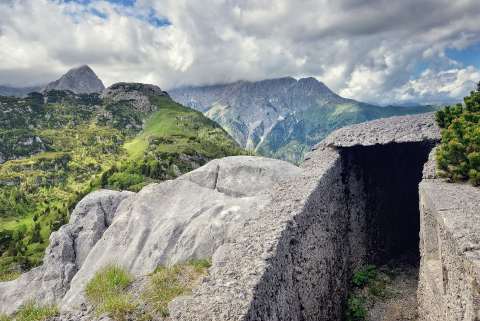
[402, 129]
[276, 268]
[183, 219]
[294, 261]
[449, 282]
[66, 253]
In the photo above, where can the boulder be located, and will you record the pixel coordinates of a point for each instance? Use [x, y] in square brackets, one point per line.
[182, 219]
[69, 246]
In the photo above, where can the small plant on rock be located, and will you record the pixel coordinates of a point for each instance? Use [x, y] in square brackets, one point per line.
[166, 283]
[107, 292]
[364, 276]
[32, 312]
[356, 310]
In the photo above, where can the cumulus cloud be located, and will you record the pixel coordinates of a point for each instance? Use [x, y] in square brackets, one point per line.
[437, 87]
[364, 49]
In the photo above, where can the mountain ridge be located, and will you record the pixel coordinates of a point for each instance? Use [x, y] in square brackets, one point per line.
[281, 117]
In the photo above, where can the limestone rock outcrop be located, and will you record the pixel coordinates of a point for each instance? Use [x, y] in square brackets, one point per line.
[81, 80]
[136, 93]
[183, 219]
[65, 255]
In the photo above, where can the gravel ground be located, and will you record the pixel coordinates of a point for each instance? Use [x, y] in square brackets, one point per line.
[400, 302]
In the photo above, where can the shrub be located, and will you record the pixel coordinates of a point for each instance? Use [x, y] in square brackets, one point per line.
[124, 180]
[107, 292]
[458, 156]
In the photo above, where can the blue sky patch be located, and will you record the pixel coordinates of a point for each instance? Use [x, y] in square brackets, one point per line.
[152, 18]
[157, 21]
[469, 56]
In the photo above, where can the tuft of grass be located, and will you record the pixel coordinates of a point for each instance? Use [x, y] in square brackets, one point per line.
[8, 276]
[117, 306]
[4, 318]
[166, 283]
[33, 312]
[368, 285]
[107, 292]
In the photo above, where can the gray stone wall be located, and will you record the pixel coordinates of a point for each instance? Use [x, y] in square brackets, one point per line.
[450, 250]
[291, 264]
[294, 261]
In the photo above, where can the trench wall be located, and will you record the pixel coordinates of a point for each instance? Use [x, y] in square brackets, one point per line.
[351, 206]
[291, 264]
[294, 262]
[449, 278]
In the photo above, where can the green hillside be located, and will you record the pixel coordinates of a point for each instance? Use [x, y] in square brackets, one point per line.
[61, 146]
[292, 137]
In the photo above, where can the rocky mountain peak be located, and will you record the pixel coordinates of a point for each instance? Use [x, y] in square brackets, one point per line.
[125, 87]
[311, 83]
[137, 94]
[80, 80]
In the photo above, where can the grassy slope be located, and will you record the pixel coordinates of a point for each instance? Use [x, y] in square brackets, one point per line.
[84, 152]
[181, 129]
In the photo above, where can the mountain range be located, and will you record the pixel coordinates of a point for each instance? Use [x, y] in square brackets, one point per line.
[281, 118]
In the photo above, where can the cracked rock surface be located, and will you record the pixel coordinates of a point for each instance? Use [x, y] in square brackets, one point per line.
[65, 255]
[182, 219]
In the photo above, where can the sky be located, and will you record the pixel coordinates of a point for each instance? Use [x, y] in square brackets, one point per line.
[377, 51]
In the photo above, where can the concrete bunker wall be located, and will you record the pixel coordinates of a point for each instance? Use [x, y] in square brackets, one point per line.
[366, 212]
[449, 278]
[298, 283]
[296, 262]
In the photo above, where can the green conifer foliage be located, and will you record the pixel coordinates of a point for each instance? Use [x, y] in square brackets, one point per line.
[458, 156]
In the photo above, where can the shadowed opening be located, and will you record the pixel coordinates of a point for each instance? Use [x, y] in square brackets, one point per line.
[387, 177]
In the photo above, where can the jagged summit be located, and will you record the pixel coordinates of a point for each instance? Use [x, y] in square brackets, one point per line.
[80, 80]
[137, 94]
[146, 89]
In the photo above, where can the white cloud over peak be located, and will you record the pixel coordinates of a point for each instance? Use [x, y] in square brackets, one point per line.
[368, 50]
